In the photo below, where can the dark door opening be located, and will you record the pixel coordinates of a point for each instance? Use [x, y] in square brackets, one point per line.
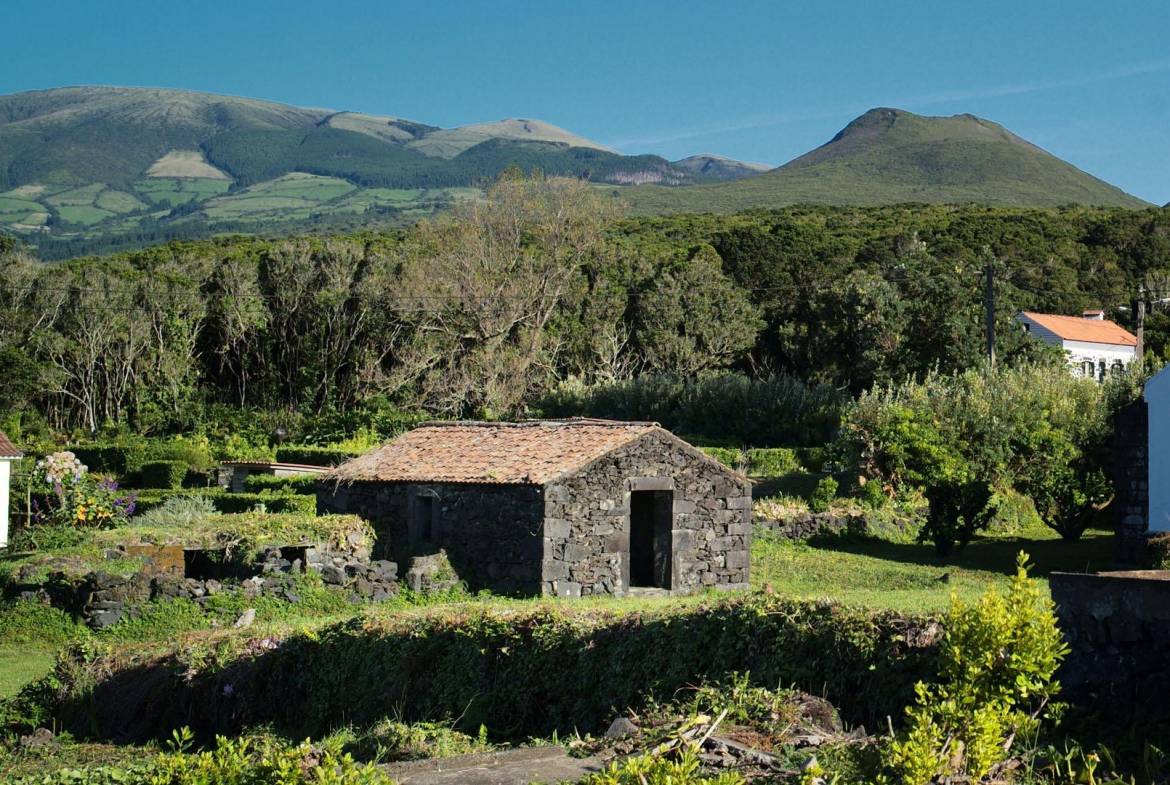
[422, 529]
[650, 538]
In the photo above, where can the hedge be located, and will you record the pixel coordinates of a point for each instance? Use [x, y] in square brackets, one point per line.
[758, 461]
[163, 474]
[128, 457]
[522, 673]
[301, 483]
[312, 455]
[228, 502]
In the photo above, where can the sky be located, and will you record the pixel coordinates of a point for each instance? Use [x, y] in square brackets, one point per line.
[1087, 80]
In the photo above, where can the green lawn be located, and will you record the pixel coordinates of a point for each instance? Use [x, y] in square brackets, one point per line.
[910, 577]
[21, 664]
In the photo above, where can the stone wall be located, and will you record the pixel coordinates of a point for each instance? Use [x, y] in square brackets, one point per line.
[806, 525]
[490, 533]
[101, 598]
[1130, 451]
[586, 540]
[1117, 626]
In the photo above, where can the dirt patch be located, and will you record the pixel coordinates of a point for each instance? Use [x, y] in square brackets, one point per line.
[510, 767]
[185, 163]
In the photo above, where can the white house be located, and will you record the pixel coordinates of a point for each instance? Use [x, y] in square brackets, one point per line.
[1157, 395]
[8, 455]
[1095, 346]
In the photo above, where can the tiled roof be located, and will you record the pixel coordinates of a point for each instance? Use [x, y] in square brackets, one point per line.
[7, 448]
[525, 453]
[1076, 328]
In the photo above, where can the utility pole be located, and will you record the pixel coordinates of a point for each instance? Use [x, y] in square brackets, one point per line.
[1140, 349]
[989, 310]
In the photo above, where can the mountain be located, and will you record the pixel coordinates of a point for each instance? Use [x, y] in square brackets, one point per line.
[82, 164]
[888, 156]
[86, 169]
[716, 168]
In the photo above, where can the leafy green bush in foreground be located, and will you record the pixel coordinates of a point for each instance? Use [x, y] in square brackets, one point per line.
[241, 761]
[997, 676]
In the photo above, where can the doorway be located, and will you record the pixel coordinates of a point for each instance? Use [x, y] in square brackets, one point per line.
[651, 514]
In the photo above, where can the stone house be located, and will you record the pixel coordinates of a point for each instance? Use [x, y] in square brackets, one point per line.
[1094, 345]
[557, 507]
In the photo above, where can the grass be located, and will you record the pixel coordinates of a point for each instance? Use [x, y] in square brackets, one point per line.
[910, 577]
[20, 665]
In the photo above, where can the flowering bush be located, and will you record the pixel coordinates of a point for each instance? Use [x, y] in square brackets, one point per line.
[68, 495]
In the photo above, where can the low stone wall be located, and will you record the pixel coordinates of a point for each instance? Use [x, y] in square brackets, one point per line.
[101, 598]
[1117, 625]
[805, 525]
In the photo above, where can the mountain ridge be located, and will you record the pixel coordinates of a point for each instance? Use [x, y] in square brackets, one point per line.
[886, 156]
[83, 163]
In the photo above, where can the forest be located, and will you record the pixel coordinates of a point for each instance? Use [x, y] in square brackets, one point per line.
[541, 287]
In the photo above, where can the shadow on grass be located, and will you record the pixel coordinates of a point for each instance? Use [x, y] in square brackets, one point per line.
[1093, 552]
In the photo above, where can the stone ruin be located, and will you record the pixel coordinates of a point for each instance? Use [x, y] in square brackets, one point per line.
[102, 598]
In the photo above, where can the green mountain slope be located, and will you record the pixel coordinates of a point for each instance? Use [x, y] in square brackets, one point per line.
[84, 164]
[716, 168]
[888, 156]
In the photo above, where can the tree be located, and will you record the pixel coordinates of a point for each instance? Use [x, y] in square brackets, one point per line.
[478, 290]
[693, 318]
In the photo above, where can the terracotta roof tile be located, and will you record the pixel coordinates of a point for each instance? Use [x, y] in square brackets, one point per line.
[7, 448]
[525, 453]
[1076, 328]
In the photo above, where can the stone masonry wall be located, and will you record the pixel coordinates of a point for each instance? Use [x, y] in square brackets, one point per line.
[587, 521]
[1117, 626]
[490, 533]
[1131, 480]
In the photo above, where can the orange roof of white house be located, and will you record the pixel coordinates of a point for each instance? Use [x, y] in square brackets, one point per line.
[1078, 328]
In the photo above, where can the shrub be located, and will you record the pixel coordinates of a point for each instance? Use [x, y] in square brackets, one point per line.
[957, 509]
[780, 410]
[119, 458]
[873, 495]
[313, 455]
[728, 456]
[256, 761]
[178, 511]
[823, 495]
[525, 672]
[997, 674]
[1067, 498]
[658, 769]
[1158, 552]
[163, 474]
[771, 461]
[227, 502]
[299, 483]
[66, 494]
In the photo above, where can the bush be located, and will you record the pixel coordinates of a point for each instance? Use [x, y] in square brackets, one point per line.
[728, 456]
[178, 511]
[1158, 552]
[65, 494]
[256, 761]
[772, 461]
[118, 459]
[873, 495]
[657, 769]
[300, 483]
[163, 474]
[823, 495]
[311, 455]
[781, 410]
[524, 672]
[227, 502]
[997, 674]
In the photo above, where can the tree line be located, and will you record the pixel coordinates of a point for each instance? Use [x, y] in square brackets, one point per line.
[487, 310]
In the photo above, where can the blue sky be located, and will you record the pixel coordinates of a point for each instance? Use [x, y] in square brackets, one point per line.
[762, 81]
